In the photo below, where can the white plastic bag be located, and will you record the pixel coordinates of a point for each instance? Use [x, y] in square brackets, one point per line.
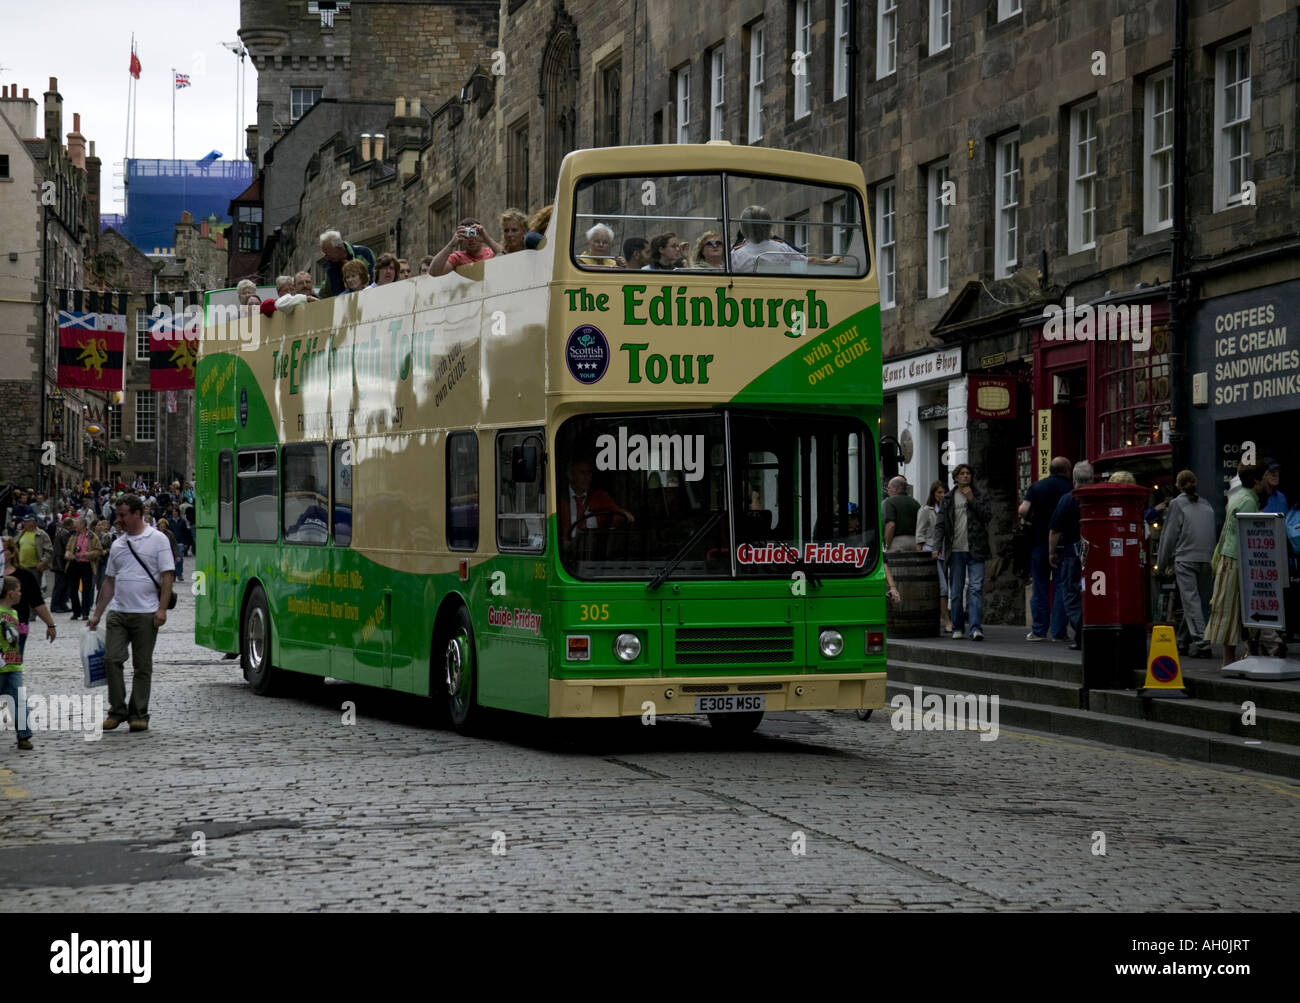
[92, 660]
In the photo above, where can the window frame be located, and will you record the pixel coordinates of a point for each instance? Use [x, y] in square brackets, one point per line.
[1136, 380]
[757, 78]
[320, 93]
[886, 27]
[682, 104]
[717, 91]
[803, 81]
[1009, 8]
[143, 326]
[887, 247]
[517, 150]
[1226, 196]
[152, 397]
[501, 434]
[1152, 221]
[1079, 179]
[938, 226]
[472, 436]
[291, 449]
[274, 470]
[1005, 265]
[840, 70]
[940, 22]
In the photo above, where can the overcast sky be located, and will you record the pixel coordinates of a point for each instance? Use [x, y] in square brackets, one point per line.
[86, 44]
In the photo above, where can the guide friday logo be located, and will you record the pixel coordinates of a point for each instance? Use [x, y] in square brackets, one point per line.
[587, 354]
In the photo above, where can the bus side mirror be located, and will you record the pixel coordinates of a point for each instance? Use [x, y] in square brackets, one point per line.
[523, 464]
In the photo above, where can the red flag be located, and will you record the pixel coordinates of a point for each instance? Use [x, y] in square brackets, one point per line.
[91, 347]
[173, 350]
[135, 65]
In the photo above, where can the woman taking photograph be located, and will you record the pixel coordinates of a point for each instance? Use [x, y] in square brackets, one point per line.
[963, 524]
[927, 541]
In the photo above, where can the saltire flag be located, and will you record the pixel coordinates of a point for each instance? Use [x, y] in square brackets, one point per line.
[173, 351]
[135, 63]
[182, 80]
[91, 350]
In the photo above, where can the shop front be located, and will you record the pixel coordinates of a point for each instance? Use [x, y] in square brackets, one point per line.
[925, 411]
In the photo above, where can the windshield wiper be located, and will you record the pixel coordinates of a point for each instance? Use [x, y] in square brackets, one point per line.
[813, 578]
[687, 547]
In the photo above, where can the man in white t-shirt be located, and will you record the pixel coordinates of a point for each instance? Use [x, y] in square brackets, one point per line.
[137, 589]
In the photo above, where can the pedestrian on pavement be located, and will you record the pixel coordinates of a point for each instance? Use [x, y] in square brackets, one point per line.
[59, 565]
[34, 545]
[1038, 506]
[82, 555]
[1063, 546]
[1224, 625]
[927, 541]
[105, 542]
[1186, 546]
[899, 518]
[137, 590]
[11, 658]
[32, 600]
[963, 523]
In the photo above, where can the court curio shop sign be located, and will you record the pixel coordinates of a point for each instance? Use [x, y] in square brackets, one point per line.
[921, 369]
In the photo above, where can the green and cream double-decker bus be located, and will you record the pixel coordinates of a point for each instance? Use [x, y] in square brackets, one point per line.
[563, 483]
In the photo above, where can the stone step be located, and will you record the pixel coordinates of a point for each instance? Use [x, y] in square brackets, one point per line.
[1151, 736]
[1203, 680]
[1206, 715]
[1046, 692]
[1037, 664]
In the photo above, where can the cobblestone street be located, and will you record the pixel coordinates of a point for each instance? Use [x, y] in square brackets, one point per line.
[299, 811]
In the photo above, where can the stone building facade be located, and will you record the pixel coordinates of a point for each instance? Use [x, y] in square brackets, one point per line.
[1021, 159]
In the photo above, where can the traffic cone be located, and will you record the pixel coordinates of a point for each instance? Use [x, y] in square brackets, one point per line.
[1164, 673]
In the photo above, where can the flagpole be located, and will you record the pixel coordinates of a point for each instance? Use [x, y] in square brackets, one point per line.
[126, 140]
[173, 113]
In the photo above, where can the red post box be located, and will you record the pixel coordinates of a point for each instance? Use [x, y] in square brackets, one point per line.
[1116, 606]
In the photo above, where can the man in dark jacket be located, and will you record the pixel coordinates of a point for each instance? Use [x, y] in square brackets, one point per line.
[963, 528]
[59, 564]
[1039, 505]
[335, 250]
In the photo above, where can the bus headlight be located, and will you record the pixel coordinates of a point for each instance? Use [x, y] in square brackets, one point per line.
[627, 647]
[831, 643]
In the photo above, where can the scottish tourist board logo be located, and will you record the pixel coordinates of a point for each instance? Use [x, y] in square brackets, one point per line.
[587, 353]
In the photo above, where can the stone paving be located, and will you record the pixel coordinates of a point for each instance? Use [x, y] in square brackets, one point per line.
[235, 802]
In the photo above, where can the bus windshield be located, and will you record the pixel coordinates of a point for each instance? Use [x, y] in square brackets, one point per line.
[675, 222]
[634, 489]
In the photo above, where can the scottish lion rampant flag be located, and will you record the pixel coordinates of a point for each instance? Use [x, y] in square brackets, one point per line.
[91, 350]
[173, 349]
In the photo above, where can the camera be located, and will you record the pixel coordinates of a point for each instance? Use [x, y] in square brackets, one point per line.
[471, 231]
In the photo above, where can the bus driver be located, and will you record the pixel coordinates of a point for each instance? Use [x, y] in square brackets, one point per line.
[584, 507]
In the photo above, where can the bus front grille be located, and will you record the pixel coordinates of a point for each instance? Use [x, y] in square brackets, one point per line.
[734, 645]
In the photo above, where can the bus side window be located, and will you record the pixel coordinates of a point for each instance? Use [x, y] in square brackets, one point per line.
[341, 517]
[304, 503]
[462, 491]
[521, 505]
[257, 490]
[225, 498]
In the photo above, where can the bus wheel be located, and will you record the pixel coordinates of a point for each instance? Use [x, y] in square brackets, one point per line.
[255, 646]
[462, 674]
[864, 715]
[736, 724]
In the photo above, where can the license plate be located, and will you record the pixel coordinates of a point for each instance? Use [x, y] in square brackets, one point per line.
[731, 704]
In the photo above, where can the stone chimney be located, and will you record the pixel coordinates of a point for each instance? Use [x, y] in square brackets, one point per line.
[250, 144]
[203, 228]
[379, 146]
[53, 114]
[365, 146]
[92, 192]
[77, 142]
[20, 111]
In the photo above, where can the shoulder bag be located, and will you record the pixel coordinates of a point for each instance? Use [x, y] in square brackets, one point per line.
[172, 602]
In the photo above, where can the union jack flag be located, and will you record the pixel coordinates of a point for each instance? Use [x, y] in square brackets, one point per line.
[182, 80]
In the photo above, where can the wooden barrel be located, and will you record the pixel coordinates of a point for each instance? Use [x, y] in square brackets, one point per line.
[917, 576]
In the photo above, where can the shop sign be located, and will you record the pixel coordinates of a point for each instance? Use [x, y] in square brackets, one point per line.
[932, 411]
[1262, 568]
[1254, 362]
[1044, 436]
[996, 359]
[922, 369]
[992, 397]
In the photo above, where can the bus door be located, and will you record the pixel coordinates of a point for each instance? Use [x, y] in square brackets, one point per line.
[221, 587]
[347, 575]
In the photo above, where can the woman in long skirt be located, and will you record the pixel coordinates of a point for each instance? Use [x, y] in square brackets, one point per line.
[1224, 626]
